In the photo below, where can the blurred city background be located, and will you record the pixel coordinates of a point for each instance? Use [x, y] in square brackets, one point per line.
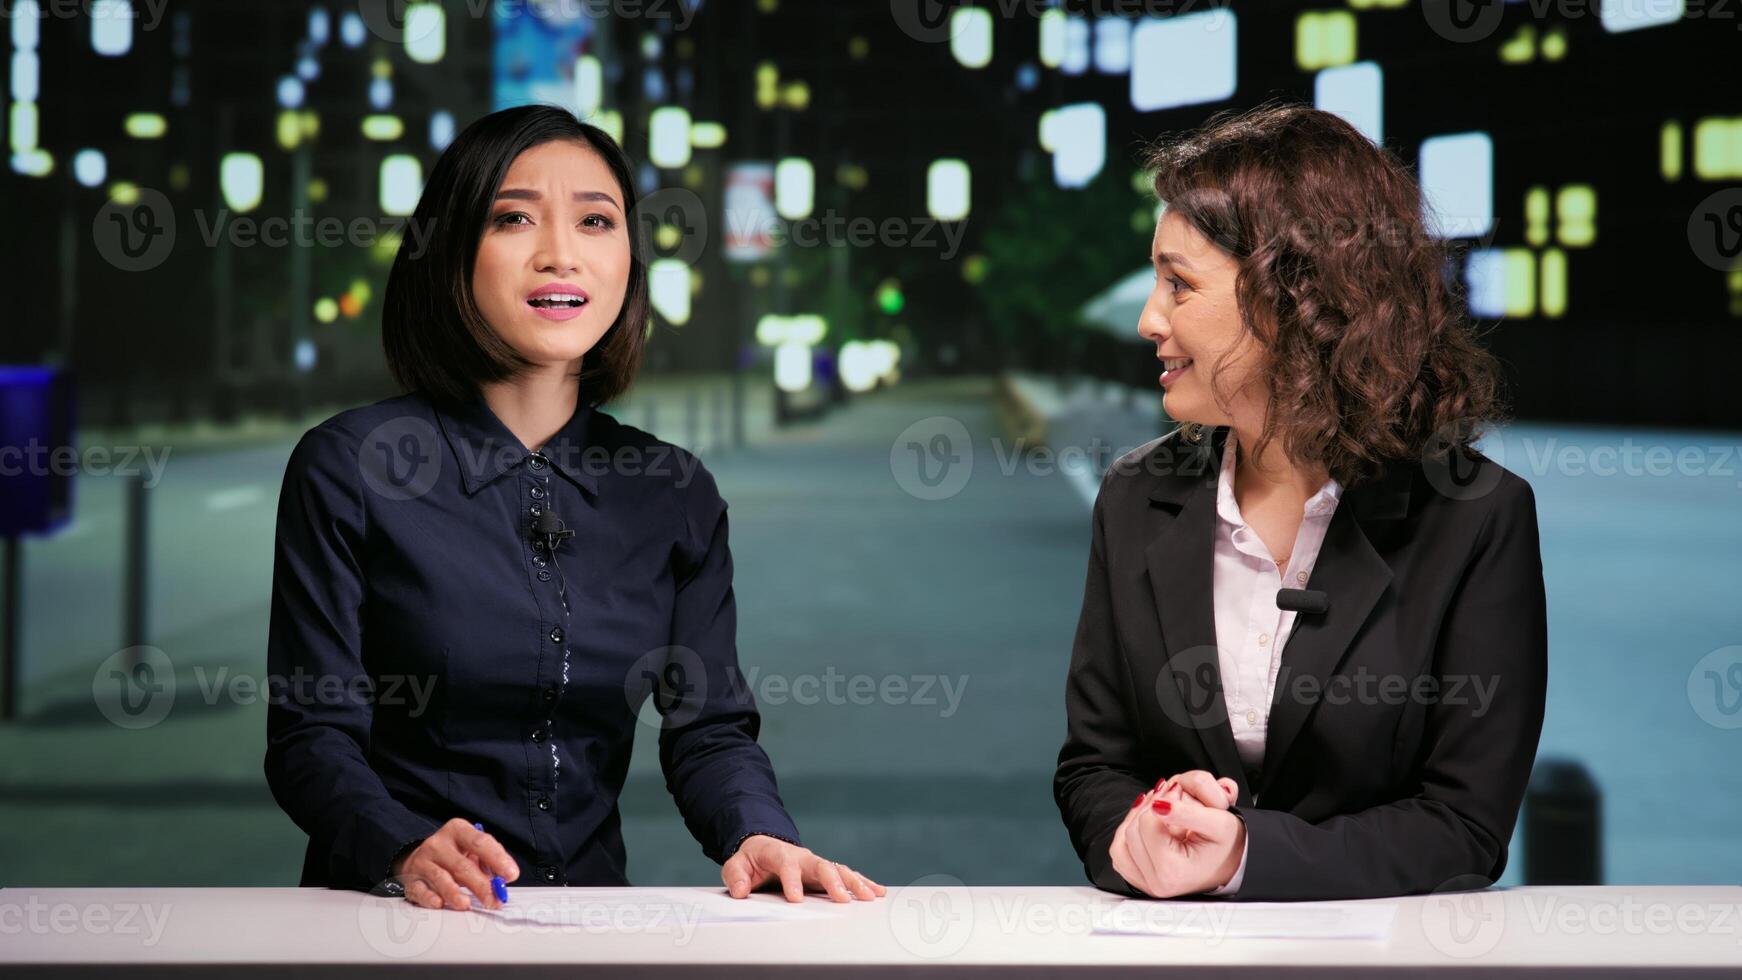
[876, 224]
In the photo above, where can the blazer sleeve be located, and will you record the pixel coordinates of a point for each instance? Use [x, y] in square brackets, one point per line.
[1477, 753]
[317, 746]
[1098, 771]
[720, 777]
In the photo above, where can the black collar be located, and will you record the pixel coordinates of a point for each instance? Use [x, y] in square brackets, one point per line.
[485, 449]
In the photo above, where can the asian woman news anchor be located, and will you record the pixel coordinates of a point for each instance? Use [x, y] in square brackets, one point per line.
[1375, 738]
[479, 622]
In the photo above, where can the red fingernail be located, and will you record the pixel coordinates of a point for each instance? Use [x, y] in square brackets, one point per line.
[1162, 807]
[1160, 784]
[1135, 802]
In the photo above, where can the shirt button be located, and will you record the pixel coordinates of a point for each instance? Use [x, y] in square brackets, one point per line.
[538, 493]
[544, 576]
[1301, 577]
[535, 510]
[535, 461]
[538, 734]
[538, 561]
[1264, 639]
[1251, 717]
[556, 634]
[549, 695]
[544, 803]
[548, 873]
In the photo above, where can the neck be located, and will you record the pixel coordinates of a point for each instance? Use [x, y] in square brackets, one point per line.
[1272, 471]
[534, 405]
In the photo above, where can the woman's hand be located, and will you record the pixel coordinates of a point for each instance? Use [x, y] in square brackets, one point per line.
[1179, 838]
[456, 857]
[761, 859]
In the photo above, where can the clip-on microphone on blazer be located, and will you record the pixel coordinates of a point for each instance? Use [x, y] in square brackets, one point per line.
[1309, 601]
[551, 528]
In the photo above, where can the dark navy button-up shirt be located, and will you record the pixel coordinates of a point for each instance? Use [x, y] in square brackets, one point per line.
[463, 628]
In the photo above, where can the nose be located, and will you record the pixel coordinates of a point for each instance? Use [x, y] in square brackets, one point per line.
[1152, 323]
[557, 253]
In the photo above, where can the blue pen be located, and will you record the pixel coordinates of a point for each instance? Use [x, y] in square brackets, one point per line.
[497, 885]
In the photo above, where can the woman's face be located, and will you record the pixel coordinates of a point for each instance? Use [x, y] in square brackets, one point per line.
[1193, 319]
[557, 221]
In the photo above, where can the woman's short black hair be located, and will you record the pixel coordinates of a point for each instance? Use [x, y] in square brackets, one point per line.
[436, 339]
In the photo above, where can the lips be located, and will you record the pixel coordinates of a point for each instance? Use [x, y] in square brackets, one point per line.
[557, 297]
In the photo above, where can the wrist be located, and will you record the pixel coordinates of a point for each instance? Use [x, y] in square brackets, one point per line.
[1231, 863]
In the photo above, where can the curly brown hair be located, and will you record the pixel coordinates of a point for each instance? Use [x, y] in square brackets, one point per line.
[1369, 353]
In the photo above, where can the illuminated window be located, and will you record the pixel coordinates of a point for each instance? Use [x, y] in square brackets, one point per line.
[1501, 282]
[241, 176]
[426, 33]
[1631, 15]
[401, 183]
[1112, 45]
[1576, 215]
[1324, 38]
[1076, 59]
[1356, 93]
[111, 27]
[1457, 184]
[589, 85]
[1052, 38]
[668, 285]
[668, 137]
[1183, 60]
[795, 188]
[971, 36]
[1079, 133]
[947, 191]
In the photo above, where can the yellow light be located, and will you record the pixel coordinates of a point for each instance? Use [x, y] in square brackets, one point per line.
[326, 310]
[289, 129]
[1324, 39]
[317, 190]
[124, 192]
[383, 128]
[360, 289]
[311, 124]
[1576, 211]
[1554, 45]
[1522, 47]
[707, 135]
[145, 125]
[24, 127]
[1718, 148]
[1554, 282]
[1669, 150]
[1536, 215]
[1520, 273]
[858, 48]
[796, 95]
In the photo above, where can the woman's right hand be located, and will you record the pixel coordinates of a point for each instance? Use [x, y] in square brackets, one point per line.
[459, 856]
[1136, 848]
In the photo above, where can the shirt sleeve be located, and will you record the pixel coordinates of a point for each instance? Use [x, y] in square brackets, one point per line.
[1233, 885]
[317, 743]
[720, 777]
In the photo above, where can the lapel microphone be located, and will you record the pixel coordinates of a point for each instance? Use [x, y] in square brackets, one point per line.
[1309, 601]
[551, 528]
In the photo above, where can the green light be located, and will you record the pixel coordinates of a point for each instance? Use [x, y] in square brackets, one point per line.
[889, 298]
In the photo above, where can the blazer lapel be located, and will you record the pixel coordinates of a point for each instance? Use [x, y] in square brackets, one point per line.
[1180, 561]
[1353, 577]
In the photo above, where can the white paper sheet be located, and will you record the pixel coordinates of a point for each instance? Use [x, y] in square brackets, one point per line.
[1249, 920]
[640, 909]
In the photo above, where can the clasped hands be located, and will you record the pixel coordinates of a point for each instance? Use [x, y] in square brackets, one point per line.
[1179, 838]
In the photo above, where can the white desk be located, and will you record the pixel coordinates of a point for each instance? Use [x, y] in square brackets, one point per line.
[915, 931]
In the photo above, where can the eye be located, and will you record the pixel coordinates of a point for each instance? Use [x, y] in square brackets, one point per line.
[602, 222]
[1177, 283]
[503, 219]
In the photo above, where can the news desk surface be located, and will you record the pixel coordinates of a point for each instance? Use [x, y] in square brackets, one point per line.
[915, 931]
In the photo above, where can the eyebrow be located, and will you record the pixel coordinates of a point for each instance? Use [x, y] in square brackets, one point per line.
[580, 197]
[1172, 258]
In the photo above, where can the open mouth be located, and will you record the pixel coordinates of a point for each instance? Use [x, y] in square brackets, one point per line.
[1173, 367]
[558, 302]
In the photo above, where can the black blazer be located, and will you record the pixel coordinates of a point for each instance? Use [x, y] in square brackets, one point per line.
[1406, 716]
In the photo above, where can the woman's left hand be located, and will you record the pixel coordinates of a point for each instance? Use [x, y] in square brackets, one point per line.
[762, 859]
